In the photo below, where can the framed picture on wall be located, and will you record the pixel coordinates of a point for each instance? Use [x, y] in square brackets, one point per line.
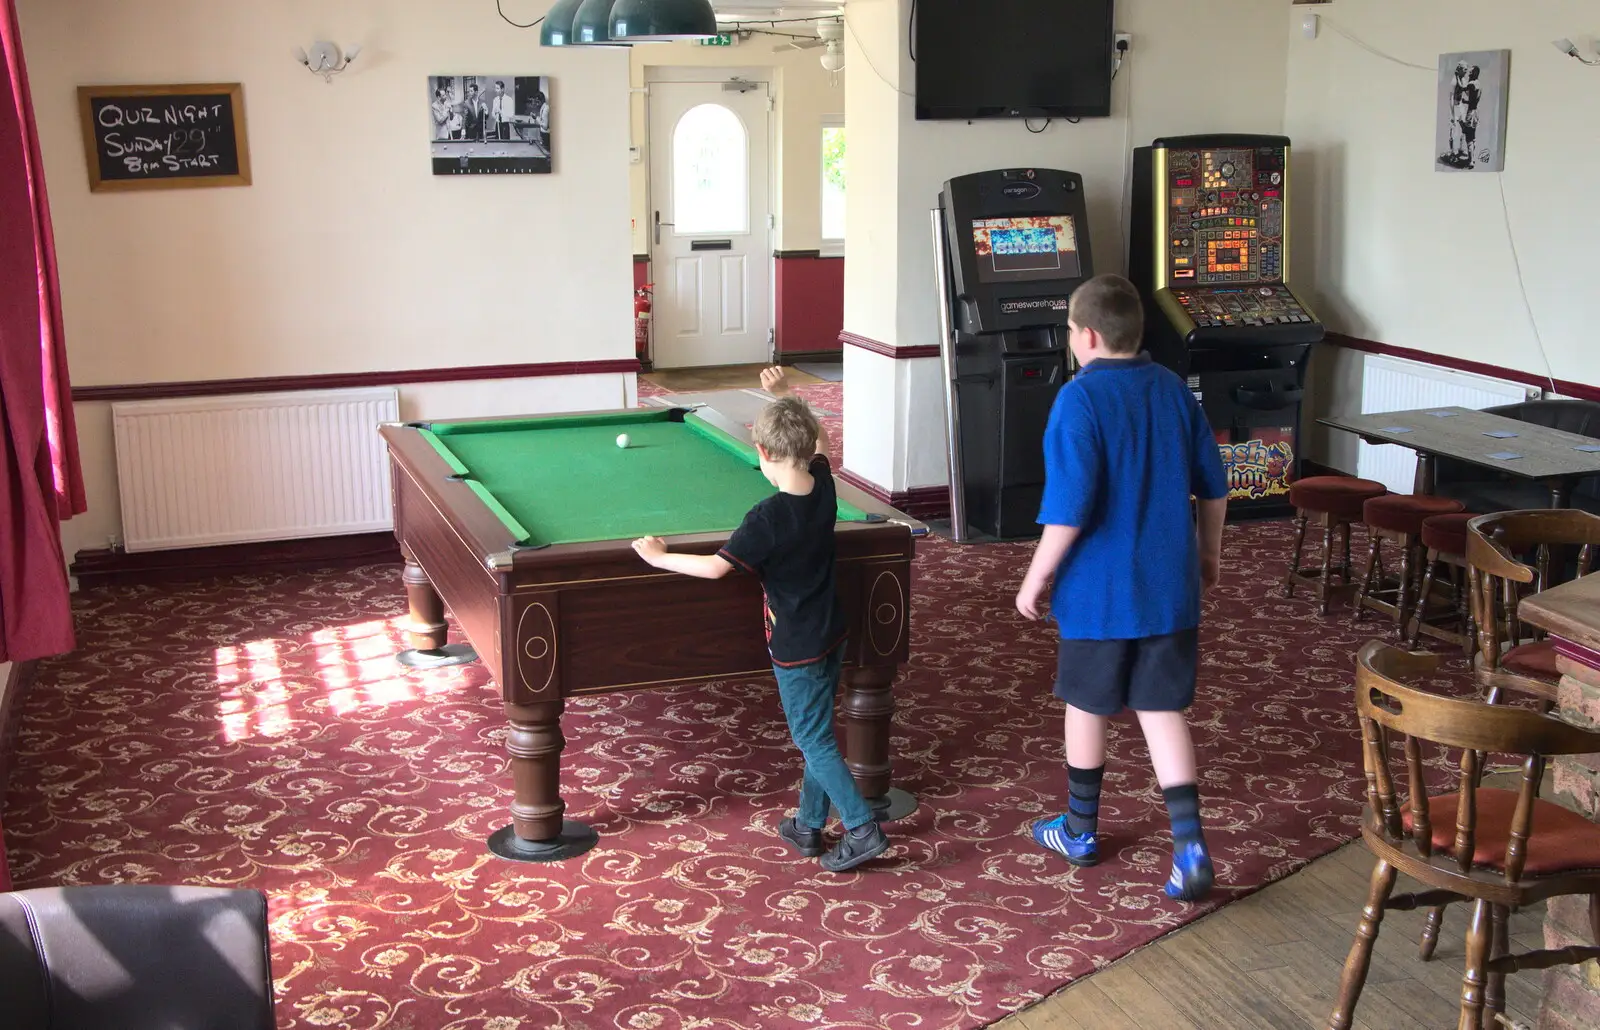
[1470, 135]
[489, 124]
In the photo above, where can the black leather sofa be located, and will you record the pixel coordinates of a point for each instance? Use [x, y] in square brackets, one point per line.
[1484, 490]
[133, 957]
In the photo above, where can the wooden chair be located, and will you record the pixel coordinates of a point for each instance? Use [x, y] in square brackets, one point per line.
[1496, 848]
[1510, 657]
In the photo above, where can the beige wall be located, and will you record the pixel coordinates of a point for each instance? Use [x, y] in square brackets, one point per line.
[805, 96]
[1158, 92]
[346, 254]
[1396, 252]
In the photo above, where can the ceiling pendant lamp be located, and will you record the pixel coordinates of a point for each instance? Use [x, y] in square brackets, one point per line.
[641, 21]
[557, 28]
[591, 25]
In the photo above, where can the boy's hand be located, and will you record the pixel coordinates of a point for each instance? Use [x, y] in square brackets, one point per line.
[1029, 596]
[1210, 571]
[651, 548]
[774, 381]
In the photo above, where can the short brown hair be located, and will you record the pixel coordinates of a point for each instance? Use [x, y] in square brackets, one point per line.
[1110, 305]
[787, 430]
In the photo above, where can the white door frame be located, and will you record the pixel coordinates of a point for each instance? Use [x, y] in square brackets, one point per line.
[717, 74]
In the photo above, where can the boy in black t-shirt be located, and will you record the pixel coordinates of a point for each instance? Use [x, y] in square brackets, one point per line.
[787, 540]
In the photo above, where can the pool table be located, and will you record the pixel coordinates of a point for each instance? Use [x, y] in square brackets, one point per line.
[523, 527]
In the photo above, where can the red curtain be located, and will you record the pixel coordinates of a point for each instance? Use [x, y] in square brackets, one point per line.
[40, 480]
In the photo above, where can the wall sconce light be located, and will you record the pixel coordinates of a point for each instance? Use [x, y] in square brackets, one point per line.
[1568, 47]
[326, 60]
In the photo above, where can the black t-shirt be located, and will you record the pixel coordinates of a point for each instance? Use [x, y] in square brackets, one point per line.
[787, 540]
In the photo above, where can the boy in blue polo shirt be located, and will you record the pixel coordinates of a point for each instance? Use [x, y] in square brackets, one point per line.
[1126, 448]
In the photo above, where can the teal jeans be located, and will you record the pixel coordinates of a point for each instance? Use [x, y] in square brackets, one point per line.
[807, 693]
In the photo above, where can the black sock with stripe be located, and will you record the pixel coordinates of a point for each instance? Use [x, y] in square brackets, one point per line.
[1183, 806]
[1083, 799]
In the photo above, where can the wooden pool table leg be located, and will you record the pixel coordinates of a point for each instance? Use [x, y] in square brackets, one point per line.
[868, 711]
[426, 629]
[538, 833]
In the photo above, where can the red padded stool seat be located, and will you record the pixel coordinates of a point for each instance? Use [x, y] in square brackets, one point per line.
[1446, 534]
[1447, 618]
[1338, 495]
[1397, 519]
[1405, 513]
[1332, 502]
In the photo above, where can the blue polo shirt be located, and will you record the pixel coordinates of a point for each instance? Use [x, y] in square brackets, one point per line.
[1126, 446]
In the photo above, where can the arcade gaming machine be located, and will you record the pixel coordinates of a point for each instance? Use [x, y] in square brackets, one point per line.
[1011, 246]
[1210, 255]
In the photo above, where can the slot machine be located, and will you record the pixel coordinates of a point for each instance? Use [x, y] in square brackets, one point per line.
[1011, 245]
[1210, 255]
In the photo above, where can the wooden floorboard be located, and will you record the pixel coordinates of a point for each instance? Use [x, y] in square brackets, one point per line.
[1272, 961]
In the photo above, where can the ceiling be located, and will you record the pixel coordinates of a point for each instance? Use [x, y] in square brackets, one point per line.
[757, 10]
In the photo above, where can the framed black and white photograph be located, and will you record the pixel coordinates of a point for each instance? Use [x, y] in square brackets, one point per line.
[489, 124]
[1473, 100]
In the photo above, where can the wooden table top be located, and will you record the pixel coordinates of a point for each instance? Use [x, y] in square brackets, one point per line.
[1570, 611]
[1461, 433]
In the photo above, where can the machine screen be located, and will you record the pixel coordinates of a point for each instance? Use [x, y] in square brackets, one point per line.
[1225, 216]
[1026, 248]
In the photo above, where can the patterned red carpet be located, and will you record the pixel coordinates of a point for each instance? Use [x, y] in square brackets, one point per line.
[256, 731]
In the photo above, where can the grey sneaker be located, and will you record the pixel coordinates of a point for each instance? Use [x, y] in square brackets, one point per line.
[852, 850]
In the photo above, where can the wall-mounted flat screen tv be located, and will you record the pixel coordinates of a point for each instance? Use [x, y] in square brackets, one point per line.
[1014, 58]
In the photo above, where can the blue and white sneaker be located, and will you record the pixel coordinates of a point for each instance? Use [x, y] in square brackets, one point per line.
[1078, 848]
[1192, 874]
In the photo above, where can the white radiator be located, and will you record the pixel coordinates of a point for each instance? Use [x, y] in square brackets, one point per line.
[253, 467]
[1395, 384]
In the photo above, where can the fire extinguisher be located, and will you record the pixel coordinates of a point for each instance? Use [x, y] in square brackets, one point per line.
[641, 321]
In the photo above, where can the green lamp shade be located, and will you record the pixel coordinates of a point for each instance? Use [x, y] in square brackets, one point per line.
[637, 21]
[557, 28]
[592, 23]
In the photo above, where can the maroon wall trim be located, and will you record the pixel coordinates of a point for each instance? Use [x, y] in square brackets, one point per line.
[96, 568]
[923, 502]
[278, 384]
[850, 339]
[1583, 391]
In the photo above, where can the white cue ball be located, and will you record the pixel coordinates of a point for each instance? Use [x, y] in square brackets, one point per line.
[622, 441]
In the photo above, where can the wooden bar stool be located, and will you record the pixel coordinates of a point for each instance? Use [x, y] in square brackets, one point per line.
[1333, 503]
[1398, 519]
[1445, 537]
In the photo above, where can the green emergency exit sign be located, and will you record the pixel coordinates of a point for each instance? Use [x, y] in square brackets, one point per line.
[723, 40]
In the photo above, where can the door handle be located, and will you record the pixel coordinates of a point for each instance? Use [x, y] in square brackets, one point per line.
[659, 224]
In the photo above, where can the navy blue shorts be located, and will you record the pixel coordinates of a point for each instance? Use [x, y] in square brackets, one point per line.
[1149, 674]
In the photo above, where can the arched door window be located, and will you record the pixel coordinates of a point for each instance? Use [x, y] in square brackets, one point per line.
[710, 172]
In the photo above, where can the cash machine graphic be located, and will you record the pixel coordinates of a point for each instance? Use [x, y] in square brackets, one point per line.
[1210, 255]
[1010, 245]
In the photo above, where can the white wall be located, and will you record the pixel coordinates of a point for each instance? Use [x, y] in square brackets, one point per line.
[805, 96]
[1396, 252]
[346, 254]
[1195, 66]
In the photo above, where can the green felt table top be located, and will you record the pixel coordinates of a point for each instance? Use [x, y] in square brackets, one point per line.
[563, 479]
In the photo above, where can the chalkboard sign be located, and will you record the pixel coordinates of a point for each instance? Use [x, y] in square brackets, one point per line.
[164, 137]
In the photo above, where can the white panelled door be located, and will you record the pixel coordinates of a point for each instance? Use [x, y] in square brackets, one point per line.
[711, 253]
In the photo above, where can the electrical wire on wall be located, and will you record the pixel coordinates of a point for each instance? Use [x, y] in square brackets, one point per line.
[868, 57]
[1505, 207]
[1125, 189]
[532, 24]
